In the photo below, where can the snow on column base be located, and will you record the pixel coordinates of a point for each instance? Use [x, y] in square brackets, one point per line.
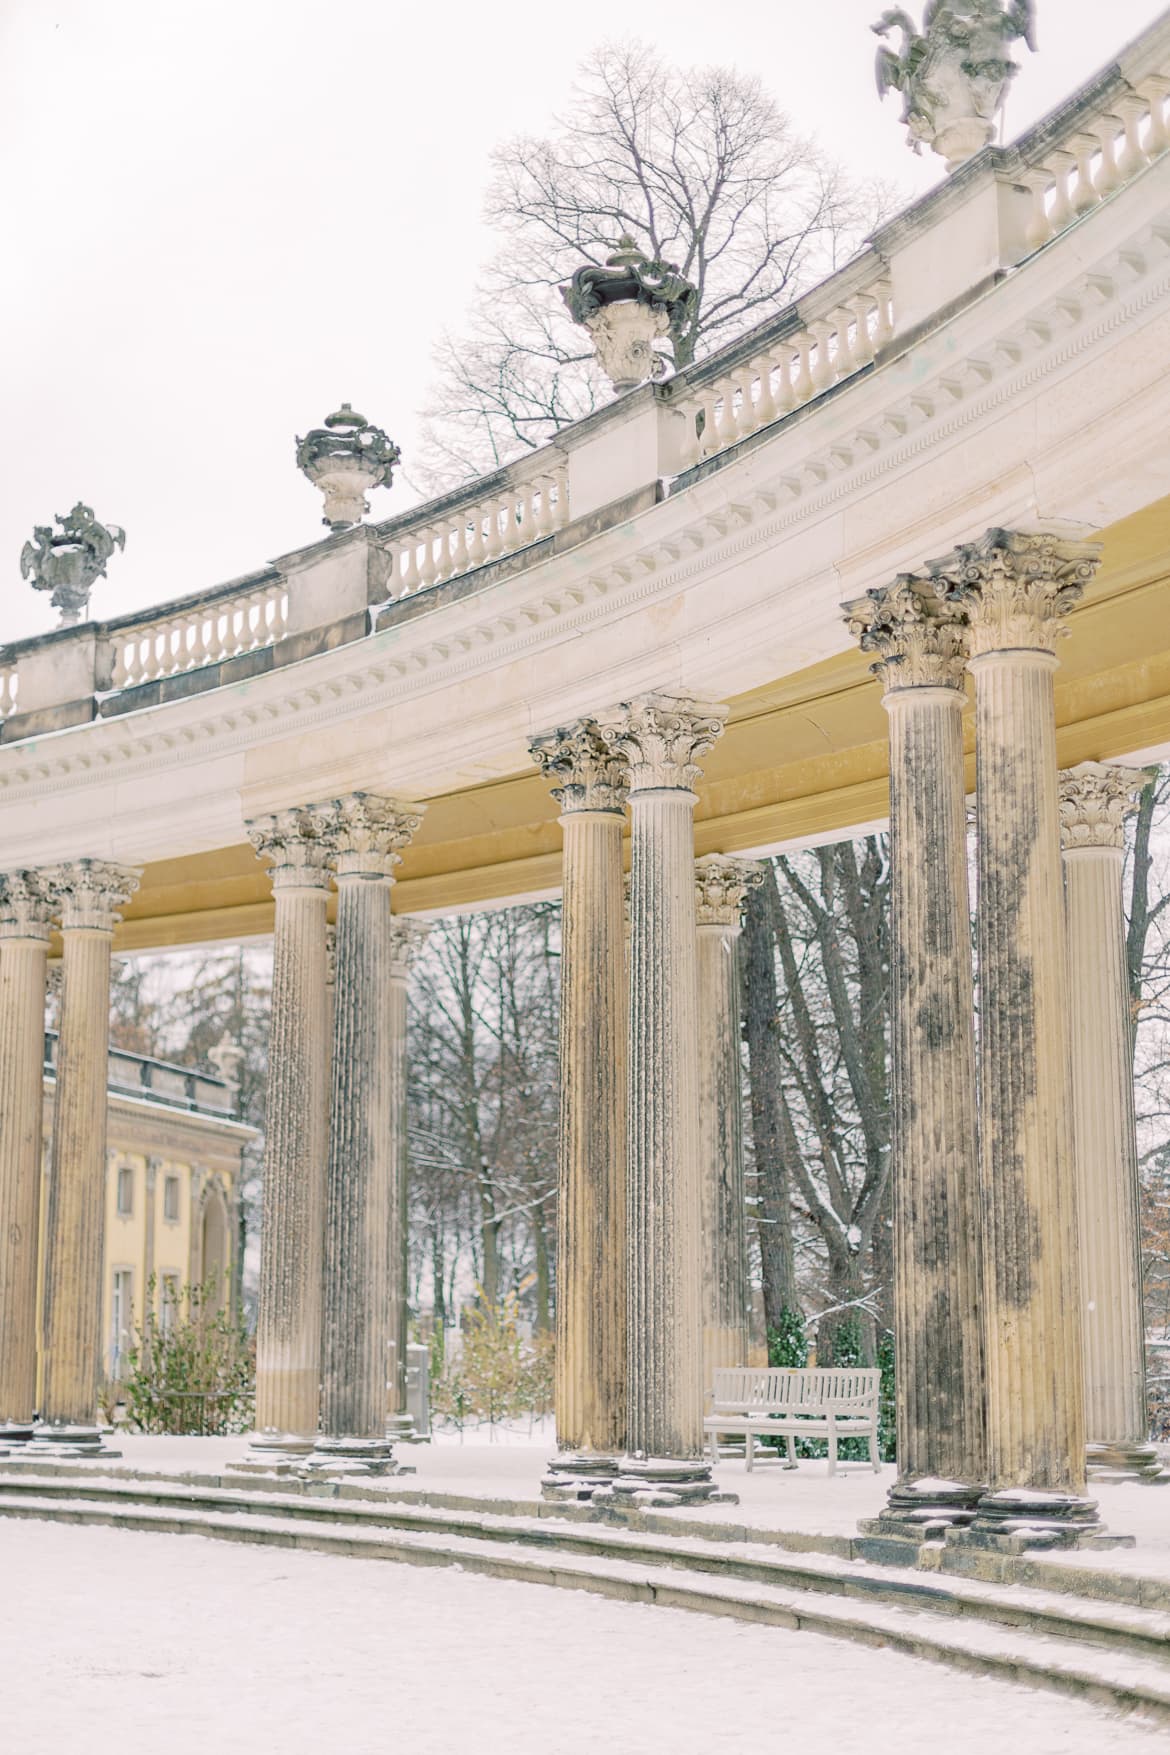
[351, 1456]
[1104, 1462]
[13, 1432]
[1014, 1519]
[577, 1474]
[63, 1444]
[658, 1480]
[920, 1511]
[272, 1453]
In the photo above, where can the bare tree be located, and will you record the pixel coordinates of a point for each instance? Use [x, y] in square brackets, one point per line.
[704, 170]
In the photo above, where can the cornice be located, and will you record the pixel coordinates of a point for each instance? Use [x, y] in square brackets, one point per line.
[789, 475]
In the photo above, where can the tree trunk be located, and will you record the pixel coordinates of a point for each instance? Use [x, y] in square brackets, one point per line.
[540, 1250]
[774, 1222]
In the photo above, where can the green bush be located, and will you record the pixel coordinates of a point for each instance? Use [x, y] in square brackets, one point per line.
[788, 1344]
[192, 1373]
[500, 1375]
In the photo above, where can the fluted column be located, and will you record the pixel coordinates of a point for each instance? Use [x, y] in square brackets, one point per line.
[297, 844]
[1016, 589]
[590, 1392]
[90, 891]
[26, 912]
[721, 883]
[367, 833]
[1095, 800]
[407, 938]
[918, 642]
[661, 737]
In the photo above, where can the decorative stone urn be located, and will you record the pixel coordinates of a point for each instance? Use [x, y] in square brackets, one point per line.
[69, 563]
[955, 74]
[345, 458]
[626, 306]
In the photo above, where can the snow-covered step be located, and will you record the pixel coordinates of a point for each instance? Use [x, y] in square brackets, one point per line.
[936, 1629]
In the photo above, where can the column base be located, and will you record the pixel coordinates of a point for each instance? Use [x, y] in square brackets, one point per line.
[14, 1432]
[63, 1444]
[917, 1512]
[400, 1429]
[1104, 1462]
[1014, 1519]
[658, 1480]
[273, 1453]
[575, 1475]
[345, 1457]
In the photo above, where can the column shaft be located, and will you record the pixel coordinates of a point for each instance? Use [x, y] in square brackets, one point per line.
[24, 939]
[937, 1267]
[1016, 587]
[591, 1212]
[288, 1330]
[76, 1219]
[407, 937]
[1094, 802]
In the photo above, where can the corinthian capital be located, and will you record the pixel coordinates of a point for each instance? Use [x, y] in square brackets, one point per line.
[590, 775]
[1016, 587]
[299, 844]
[90, 891]
[916, 636]
[1095, 799]
[28, 905]
[407, 938]
[660, 736]
[721, 883]
[366, 832]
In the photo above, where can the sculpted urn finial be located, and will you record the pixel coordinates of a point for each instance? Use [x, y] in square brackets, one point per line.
[625, 306]
[69, 563]
[954, 75]
[345, 458]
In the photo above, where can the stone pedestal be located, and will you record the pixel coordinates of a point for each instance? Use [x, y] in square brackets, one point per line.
[288, 1326]
[27, 906]
[1015, 589]
[590, 1392]
[660, 737]
[90, 891]
[366, 833]
[721, 884]
[938, 1344]
[407, 938]
[1094, 802]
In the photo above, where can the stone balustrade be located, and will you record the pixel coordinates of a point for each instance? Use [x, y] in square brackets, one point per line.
[1095, 157]
[489, 520]
[813, 345]
[193, 634]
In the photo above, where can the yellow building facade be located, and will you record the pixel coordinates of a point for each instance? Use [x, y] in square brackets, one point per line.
[173, 1163]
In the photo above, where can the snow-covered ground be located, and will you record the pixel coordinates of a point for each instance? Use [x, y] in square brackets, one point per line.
[510, 1466]
[133, 1644]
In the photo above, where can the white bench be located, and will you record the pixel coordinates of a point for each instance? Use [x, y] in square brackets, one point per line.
[778, 1403]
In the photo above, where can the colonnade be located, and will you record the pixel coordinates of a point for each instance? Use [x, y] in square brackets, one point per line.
[1018, 1288]
[81, 899]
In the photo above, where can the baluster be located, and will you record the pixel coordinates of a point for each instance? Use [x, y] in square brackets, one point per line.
[1132, 155]
[544, 526]
[408, 568]
[1064, 172]
[745, 413]
[1038, 182]
[822, 372]
[843, 362]
[785, 394]
[1085, 148]
[766, 410]
[427, 568]
[1154, 91]
[1106, 131]
[883, 292]
[802, 385]
[861, 307]
[459, 555]
[561, 511]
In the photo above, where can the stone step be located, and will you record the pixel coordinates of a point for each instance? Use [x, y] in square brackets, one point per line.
[962, 1616]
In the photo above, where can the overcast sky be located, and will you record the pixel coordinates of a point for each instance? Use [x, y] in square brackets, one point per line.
[223, 219]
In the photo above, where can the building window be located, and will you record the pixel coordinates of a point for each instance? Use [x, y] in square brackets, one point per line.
[125, 1191]
[171, 1199]
[169, 1302]
[121, 1317]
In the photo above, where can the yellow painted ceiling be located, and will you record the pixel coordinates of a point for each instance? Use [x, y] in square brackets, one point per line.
[802, 756]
